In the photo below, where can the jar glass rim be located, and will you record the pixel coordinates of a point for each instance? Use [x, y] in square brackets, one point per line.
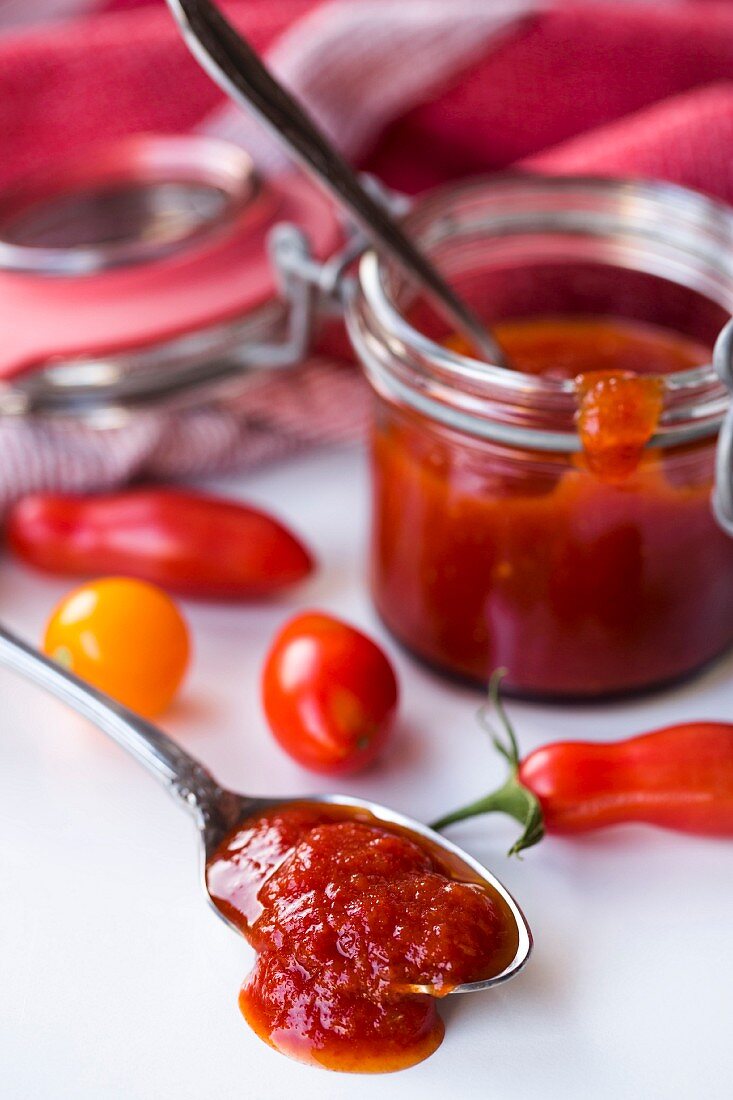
[652, 211]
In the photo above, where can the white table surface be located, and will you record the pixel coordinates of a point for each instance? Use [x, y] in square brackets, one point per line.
[117, 981]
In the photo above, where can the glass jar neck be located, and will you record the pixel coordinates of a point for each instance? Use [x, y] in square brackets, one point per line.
[524, 245]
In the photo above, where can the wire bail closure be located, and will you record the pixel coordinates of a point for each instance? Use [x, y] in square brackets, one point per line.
[723, 488]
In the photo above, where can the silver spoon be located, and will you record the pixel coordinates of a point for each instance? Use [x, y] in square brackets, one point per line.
[216, 810]
[238, 70]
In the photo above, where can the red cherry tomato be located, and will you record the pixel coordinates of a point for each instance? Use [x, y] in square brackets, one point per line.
[329, 694]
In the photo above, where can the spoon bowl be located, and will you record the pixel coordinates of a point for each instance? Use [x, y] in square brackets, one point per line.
[217, 811]
[232, 810]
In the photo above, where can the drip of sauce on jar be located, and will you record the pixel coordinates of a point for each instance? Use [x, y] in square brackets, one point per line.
[616, 366]
[352, 920]
[618, 413]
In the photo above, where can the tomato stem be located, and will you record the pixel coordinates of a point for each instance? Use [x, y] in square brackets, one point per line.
[513, 798]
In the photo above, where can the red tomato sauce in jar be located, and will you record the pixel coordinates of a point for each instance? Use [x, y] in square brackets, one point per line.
[583, 574]
[358, 928]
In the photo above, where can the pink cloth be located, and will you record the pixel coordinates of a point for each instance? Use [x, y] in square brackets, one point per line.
[631, 89]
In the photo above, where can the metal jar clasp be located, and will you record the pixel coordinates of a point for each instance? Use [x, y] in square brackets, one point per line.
[723, 489]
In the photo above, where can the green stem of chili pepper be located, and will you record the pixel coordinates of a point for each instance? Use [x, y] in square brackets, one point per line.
[513, 798]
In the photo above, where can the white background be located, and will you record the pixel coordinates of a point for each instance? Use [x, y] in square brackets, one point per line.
[117, 981]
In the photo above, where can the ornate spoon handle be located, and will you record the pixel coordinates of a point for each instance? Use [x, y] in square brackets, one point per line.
[180, 773]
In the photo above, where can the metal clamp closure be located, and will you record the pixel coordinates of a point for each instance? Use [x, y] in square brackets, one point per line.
[723, 489]
[293, 261]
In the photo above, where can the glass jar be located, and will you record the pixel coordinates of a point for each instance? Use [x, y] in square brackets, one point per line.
[493, 544]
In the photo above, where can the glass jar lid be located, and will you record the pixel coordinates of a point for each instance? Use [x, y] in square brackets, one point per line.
[144, 254]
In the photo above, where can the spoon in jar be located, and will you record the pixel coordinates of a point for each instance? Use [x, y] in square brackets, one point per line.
[217, 811]
[236, 68]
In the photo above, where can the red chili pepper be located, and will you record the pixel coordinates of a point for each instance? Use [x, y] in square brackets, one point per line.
[186, 542]
[679, 777]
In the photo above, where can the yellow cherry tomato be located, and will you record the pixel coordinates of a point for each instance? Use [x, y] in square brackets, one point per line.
[126, 637]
